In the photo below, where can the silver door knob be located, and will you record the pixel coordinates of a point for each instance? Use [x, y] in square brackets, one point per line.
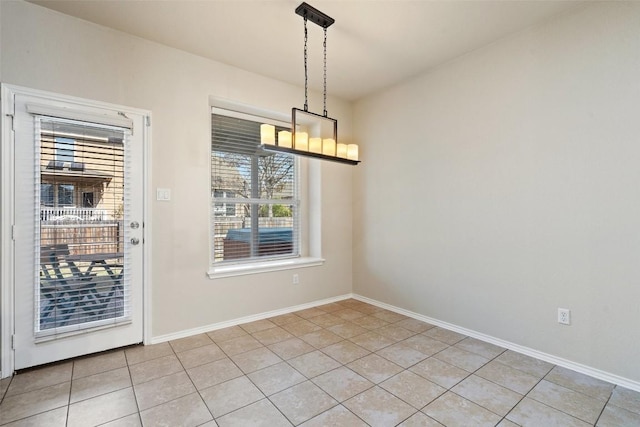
[135, 225]
[135, 241]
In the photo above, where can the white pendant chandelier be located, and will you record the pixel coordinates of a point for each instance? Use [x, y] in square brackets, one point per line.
[311, 135]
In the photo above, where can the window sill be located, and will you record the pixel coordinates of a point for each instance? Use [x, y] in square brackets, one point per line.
[262, 267]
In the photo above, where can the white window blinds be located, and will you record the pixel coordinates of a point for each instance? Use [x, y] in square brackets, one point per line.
[80, 203]
[255, 203]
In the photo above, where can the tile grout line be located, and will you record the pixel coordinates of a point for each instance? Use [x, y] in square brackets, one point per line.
[190, 380]
[231, 379]
[33, 369]
[450, 389]
[604, 407]
[577, 391]
[306, 378]
[393, 376]
[542, 403]
[133, 386]
[504, 417]
[4, 394]
[310, 379]
[133, 390]
[267, 397]
[323, 351]
[343, 365]
[316, 349]
[250, 380]
[266, 367]
[127, 366]
[73, 366]
[567, 388]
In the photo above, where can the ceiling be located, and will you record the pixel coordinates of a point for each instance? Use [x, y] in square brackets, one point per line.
[372, 45]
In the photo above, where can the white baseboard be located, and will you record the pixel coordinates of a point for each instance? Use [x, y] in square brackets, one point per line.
[587, 370]
[212, 327]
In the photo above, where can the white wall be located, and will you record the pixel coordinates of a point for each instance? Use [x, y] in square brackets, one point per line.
[506, 184]
[46, 50]
[493, 190]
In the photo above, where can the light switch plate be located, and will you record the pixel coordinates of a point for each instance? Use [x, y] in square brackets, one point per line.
[163, 194]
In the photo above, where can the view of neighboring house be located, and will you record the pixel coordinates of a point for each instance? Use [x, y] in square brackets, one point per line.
[81, 187]
[227, 183]
[81, 174]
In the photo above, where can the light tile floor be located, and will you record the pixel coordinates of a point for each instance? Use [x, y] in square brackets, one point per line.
[341, 364]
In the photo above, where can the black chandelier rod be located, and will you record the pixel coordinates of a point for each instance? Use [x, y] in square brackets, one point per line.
[308, 12]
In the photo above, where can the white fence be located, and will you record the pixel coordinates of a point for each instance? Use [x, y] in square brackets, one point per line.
[73, 214]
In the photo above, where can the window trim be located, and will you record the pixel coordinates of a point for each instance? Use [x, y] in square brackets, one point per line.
[309, 196]
[256, 267]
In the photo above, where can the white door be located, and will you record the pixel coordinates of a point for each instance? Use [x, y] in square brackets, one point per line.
[78, 236]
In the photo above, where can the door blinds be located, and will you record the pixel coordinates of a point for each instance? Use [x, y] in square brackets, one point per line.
[255, 204]
[81, 205]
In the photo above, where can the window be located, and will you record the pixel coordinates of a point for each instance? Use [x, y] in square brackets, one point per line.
[46, 194]
[255, 200]
[65, 195]
[64, 149]
[57, 194]
[87, 200]
[73, 232]
[221, 208]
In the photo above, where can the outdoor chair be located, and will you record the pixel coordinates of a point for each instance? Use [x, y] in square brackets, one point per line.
[68, 293]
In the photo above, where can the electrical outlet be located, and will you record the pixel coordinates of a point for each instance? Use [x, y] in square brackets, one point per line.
[296, 279]
[564, 316]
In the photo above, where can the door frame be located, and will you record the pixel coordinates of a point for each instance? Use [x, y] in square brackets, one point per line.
[7, 213]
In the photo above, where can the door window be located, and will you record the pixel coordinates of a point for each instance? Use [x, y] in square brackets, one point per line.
[81, 281]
